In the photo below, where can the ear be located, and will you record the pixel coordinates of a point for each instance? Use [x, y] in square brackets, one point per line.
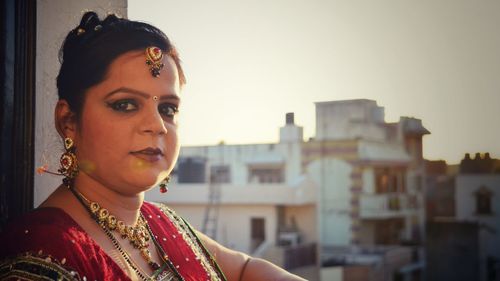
[65, 120]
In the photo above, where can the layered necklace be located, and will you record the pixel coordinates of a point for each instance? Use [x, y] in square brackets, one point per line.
[138, 235]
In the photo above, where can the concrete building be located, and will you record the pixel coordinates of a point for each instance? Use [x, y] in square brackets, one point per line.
[373, 170]
[477, 199]
[251, 198]
[452, 250]
[464, 220]
[440, 191]
[358, 183]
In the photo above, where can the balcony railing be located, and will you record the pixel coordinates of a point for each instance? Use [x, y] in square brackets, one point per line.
[387, 205]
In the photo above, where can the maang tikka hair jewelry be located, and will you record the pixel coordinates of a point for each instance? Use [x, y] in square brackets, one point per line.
[154, 56]
[164, 185]
[69, 165]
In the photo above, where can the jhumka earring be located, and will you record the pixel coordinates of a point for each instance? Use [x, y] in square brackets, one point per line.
[69, 166]
[154, 56]
[164, 185]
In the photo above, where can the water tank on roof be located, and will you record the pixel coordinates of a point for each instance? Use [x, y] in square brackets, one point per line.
[192, 169]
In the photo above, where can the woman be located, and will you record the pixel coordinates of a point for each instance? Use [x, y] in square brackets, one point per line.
[119, 94]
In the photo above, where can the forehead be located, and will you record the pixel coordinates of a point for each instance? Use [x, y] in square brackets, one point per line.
[131, 70]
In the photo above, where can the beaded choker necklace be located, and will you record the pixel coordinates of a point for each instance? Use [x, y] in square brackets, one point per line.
[138, 235]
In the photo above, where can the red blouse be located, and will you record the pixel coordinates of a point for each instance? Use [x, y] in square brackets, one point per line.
[48, 242]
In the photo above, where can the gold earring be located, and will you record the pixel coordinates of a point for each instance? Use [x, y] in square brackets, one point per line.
[164, 185]
[69, 165]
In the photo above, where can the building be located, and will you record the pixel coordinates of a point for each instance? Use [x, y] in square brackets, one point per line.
[452, 249]
[477, 199]
[440, 192]
[464, 220]
[251, 198]
[357, 184]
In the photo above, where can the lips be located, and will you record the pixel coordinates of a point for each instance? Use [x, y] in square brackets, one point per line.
[148, 154]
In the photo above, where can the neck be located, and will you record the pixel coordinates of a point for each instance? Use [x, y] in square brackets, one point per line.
[125, 207]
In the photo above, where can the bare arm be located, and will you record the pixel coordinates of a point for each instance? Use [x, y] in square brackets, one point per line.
[238, 266]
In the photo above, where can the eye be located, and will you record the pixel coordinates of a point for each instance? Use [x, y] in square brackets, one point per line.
[124, 105]
[168, 110]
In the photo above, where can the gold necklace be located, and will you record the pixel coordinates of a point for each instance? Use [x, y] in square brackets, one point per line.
[138, 235]
[124, 254]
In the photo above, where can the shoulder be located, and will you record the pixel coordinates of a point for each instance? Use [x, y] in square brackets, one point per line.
[49, 237]
[37, 244]
[36, 229]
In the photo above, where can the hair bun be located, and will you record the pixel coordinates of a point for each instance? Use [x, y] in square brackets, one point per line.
[110, 19]
[89, 21]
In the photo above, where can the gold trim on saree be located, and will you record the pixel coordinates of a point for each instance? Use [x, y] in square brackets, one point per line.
[205, 259]
[30, 267]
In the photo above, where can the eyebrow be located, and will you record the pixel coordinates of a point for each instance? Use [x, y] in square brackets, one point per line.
[139, 93]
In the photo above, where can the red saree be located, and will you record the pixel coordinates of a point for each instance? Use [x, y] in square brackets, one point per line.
[47, 244]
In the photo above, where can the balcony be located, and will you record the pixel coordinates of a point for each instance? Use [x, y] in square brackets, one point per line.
[387, 205]
[266, 194]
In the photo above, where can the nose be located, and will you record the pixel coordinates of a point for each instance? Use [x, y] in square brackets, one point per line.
[153, 123]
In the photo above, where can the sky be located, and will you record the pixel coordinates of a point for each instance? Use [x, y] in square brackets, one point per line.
[249, 62]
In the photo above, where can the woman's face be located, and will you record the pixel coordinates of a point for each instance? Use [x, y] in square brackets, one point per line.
[127, 135]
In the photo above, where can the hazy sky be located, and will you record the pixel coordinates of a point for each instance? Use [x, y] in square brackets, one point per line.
[249, 62]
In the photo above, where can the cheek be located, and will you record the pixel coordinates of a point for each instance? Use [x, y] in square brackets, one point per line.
[99, 141]
[101, 134]
[173, 146]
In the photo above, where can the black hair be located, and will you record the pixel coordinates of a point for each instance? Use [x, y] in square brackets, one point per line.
[93, 45]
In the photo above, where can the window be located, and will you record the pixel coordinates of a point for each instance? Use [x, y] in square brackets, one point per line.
[483, 201]
[266, 175]
[220, 174]
[389, 180]
[191, 169]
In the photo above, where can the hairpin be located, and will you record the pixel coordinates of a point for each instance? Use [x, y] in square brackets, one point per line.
[80, 31]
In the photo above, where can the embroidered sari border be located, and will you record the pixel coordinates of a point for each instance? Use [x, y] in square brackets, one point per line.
[30, 267]
[190, 237]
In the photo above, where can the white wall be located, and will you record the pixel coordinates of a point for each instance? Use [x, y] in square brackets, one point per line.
[466, 186]
[238, 158]
[369, 180]
[332, 273]
[349, 119]
[260, 194]
[55, 18]
[233, 222]
[465, 209]
[293, 167]
[333, 179]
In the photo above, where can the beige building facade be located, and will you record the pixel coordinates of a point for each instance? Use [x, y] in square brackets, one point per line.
[356, 185]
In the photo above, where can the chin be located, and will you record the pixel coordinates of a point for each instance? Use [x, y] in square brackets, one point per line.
[148, 180]
[144, 184]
